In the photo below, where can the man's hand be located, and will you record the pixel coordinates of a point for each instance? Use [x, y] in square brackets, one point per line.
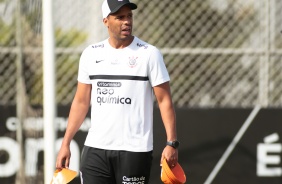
[171, 156]
[63, 158]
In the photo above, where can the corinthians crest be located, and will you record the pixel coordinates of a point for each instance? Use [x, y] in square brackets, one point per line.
[132, 62]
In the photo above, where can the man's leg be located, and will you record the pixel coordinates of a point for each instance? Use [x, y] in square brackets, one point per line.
[132, 167]
[95, 167]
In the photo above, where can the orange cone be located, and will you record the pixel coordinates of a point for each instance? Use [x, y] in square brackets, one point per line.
[63, 176]
[175, 175]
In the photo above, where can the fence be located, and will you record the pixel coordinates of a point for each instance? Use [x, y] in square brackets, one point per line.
[219, 53]
[223, 53]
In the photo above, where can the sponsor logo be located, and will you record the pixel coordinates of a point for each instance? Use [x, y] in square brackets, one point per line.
[132, 62]
[115, 62]
[269, 157]
[107, 96]
[98, 46]
[142, 45]
[33, 147]
[98, 61]
[108, 84]
[133, 180]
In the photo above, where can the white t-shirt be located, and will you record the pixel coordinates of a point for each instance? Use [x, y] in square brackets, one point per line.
[122, 94]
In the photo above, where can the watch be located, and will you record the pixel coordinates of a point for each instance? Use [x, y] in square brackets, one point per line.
[174, 144]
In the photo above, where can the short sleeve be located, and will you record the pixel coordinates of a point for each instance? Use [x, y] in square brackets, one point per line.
[83, 74]
[157, 70]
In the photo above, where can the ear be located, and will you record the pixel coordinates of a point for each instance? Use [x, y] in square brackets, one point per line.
[105, 21]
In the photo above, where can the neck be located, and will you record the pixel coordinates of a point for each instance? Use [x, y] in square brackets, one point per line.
[119, 44]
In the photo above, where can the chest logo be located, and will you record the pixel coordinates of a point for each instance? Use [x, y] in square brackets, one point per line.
[98, 61]
[115, 62]
[132, 62]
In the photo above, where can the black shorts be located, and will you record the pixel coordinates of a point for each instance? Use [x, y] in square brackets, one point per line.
[100, 166]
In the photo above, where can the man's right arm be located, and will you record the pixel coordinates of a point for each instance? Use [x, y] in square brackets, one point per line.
[78, 111]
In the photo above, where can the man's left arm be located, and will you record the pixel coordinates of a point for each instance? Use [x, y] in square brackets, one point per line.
[163, 96]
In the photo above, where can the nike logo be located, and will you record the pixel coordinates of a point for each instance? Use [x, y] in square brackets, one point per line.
[98, 61]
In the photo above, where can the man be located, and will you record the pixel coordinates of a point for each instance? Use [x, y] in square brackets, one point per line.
[118, 77]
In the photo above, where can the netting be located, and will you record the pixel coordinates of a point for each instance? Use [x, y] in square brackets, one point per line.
[219, 53]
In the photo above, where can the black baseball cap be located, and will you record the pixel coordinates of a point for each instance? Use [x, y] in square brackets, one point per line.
[112, 6]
